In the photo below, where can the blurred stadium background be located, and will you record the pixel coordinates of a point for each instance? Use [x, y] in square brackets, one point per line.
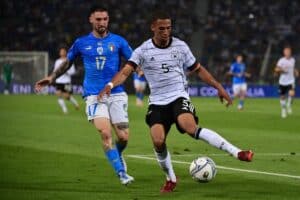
[216, 31]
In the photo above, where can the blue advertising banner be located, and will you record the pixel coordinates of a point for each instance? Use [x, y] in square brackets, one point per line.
[256, 91]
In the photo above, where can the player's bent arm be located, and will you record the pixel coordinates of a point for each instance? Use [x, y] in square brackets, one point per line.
[63, 68]
[121, 76]
[209, 79]
[118, 79]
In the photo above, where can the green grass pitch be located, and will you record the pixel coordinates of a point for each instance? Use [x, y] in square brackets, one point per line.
[47, 155]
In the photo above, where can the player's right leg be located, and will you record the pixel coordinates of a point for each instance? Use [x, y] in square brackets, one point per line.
[98, 113]
[291, 94]
[159, 122]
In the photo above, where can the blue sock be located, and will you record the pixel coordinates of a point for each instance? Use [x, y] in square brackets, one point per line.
[241, 103]
[141, 96]
[137, 94]
[114, 159]
[120, 147]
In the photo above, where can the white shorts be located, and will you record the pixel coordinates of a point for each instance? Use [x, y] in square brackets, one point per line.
[113, 107]
[237, 88]
[139, 84]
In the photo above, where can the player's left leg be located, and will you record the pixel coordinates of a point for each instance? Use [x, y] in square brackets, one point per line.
[186, 122]
[122, 131]
[60, 100]
[118, 104]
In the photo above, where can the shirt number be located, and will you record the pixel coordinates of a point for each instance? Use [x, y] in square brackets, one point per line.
[165, 68]
[100, 62]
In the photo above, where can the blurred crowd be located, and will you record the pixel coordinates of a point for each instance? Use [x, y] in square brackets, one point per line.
[248, 27]
[45, 25]
[230, 26]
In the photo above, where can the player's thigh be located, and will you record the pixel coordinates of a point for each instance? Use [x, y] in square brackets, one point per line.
[236, 89]
[292, 90]
[95, 109]
[66, 95]
[185, 115]
[243, 89]
[158, 136]
[118, 106]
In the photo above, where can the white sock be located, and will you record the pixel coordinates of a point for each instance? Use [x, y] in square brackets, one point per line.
[62, 104]
[164, 161]
[289, 101]
[217, 141]
[73, 101]
[283, 103]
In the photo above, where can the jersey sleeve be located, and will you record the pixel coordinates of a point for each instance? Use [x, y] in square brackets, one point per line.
[72, 70]
[188, 58]
[280, 63]
[125, 49]
[136, 58]
[73, 51]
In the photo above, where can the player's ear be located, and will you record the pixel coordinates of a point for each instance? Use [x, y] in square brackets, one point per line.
[152, 27]
[91, 18]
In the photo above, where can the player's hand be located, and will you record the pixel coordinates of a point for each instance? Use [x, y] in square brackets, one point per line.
[42, 83]
[105, 92]
[223, 95]
[247, 75]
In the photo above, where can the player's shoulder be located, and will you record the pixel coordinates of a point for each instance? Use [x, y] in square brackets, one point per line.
[178, 41]
[117, 37]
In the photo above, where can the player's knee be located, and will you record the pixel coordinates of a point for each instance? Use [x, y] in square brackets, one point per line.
[291, 93]
[158, 143]
[188, 127]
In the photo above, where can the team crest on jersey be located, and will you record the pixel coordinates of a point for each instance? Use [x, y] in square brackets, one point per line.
[111, 47]
[100, 50]
[174, 54]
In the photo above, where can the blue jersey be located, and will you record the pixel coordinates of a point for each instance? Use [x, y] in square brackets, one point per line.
[101, 60]
[238, 68]
[137, 77]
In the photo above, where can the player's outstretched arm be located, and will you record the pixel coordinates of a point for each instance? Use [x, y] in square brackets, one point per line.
[54, 75]
[209, 79]
[118, 79]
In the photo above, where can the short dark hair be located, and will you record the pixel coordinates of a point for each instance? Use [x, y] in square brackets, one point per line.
[97, 8]
[160, 14]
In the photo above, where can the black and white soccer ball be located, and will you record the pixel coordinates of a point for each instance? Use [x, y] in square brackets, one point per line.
[203, 169]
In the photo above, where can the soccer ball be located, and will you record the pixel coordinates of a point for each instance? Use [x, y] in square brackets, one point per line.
[203, 169]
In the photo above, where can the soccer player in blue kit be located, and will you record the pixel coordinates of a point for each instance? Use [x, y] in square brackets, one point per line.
[101, 51]
[239, 85]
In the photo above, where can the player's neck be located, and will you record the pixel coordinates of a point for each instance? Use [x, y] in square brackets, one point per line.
[161, 43]
[100, 35]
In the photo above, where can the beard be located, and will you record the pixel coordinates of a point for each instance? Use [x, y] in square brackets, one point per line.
[101, 29]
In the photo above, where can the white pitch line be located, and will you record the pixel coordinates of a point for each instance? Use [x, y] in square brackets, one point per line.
[223, 167]
[224, 154]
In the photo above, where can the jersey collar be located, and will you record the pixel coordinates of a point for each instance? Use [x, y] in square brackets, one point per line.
[170, 42]
[100, 38]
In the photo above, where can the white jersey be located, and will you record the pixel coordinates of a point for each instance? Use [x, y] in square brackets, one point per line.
[66, 77]
[164, 69]
[287, 65]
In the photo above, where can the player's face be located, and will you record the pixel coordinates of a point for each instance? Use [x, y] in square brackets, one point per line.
[62, 52]
[287, 52]
[99, 21]
[162, 29]
[239, 59]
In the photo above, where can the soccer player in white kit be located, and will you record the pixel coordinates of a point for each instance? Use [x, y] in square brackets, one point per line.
[164, 60]
[63, 83]
[286, 69]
